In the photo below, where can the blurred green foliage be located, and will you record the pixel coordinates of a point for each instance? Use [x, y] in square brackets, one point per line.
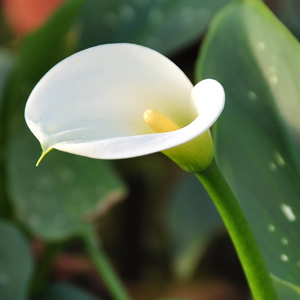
[257, 140]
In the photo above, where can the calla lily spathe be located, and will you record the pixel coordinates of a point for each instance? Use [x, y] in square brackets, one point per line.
[93, 102]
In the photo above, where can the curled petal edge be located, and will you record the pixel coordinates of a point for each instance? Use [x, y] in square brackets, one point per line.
[207, 96]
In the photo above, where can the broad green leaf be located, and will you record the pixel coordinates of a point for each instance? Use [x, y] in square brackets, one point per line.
[165, 26]
[192, 220]
[64, 292]
[60, 197]
[258, 62]
[16, 263]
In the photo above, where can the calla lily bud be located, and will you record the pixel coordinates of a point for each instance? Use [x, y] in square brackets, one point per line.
[123, 100]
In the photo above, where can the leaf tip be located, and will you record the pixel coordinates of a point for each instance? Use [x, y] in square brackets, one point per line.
[44, 153]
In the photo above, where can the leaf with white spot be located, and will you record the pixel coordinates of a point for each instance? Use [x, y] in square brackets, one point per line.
[165, 26]
[257, 137]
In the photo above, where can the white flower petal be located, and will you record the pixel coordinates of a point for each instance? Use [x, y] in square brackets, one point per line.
[92, 103]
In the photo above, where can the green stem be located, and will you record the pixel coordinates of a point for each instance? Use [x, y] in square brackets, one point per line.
[240, 232]
[104, 267]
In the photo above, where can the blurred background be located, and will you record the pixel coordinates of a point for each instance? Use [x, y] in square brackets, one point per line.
[157, 224]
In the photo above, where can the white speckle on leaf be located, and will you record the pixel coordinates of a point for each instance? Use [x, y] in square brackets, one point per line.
[279, 159]
[271, 228]
[288, 212]
[284, 257]
[273, 79]
[251, 96]
[261, 46]
[284, 241]
[272, 166]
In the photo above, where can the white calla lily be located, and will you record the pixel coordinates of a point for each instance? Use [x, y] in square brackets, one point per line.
[93, 103]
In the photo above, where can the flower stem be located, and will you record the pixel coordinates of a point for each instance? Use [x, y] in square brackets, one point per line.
[104, 267]
[240, 232]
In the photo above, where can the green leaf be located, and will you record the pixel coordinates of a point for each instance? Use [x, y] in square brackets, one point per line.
[16, 263]
[64, 292]
[258, 62]
[39, 51]
[285, 290]
[47, 46]
[192, 220]
[60, 197]
[166, 26]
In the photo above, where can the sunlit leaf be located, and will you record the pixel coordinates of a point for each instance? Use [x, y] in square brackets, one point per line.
[16, 263]
[192, 220]
[162, 25]
[258, 62]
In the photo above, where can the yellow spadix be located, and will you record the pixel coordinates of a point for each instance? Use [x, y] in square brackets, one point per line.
[193, 156]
